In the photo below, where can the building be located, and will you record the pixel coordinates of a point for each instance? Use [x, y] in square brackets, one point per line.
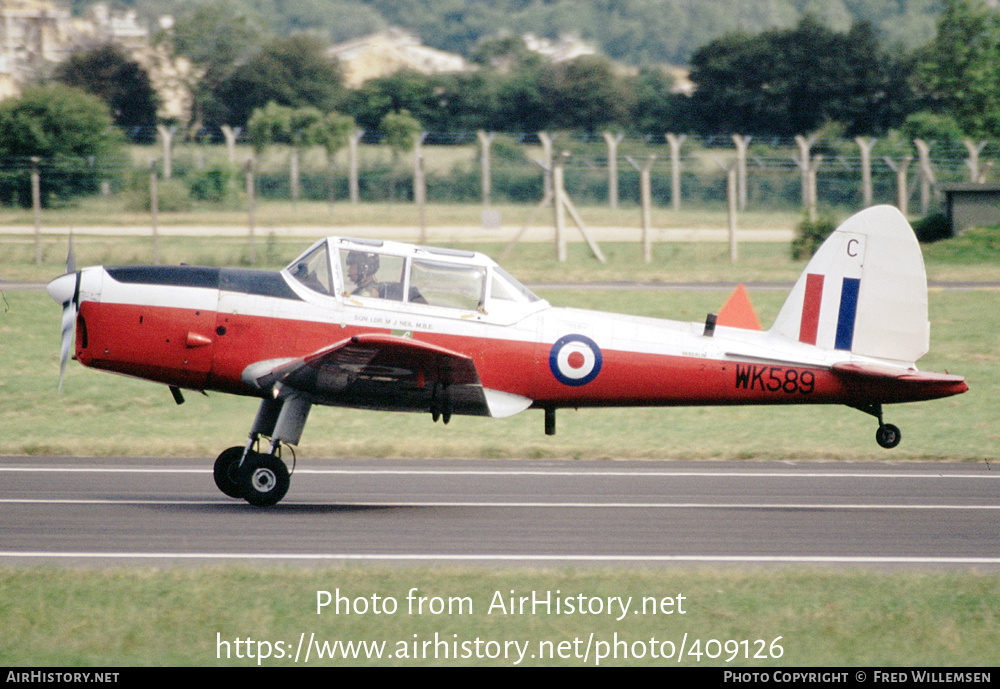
[395, 50]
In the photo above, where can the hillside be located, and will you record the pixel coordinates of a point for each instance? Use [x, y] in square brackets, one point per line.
[635, 32]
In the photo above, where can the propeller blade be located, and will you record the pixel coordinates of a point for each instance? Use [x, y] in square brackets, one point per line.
[68, 323]
[66, 291]
[70, 257]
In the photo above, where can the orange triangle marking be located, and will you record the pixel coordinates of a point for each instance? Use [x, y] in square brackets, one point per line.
[738, 312]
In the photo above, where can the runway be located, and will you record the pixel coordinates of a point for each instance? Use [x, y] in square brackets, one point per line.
[112, 511]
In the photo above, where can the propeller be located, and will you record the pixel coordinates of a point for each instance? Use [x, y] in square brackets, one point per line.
[65, 290]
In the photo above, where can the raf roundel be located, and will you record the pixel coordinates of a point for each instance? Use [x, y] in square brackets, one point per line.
[575, 360]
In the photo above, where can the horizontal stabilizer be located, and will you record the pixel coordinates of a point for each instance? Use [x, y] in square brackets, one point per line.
[910, 384]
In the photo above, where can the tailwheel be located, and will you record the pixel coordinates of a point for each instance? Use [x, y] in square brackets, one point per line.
[263, 479]
[225, 472]
[888, 435]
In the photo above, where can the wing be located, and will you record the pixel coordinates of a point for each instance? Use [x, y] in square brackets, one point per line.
[891, 384]
[387, 373]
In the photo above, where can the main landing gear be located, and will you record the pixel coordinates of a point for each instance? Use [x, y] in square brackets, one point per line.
[887, 435]
[262, 478]
[259, 478]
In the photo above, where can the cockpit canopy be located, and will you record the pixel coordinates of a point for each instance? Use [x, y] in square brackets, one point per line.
[392, 271]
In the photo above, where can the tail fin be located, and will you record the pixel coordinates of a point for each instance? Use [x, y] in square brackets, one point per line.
[864, 291]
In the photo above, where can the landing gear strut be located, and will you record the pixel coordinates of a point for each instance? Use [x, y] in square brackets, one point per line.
[262, 478]
[887, 435]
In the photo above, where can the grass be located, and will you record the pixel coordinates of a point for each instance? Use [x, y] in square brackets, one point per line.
[146, 617]
[100, 414]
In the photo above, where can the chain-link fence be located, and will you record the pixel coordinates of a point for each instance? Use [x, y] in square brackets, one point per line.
[507, 169]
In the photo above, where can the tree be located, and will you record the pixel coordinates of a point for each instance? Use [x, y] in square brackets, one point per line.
[332, 131]
[583, 93]
[269, 125]
[216, 36]
[400, 131]
[959, 71]
[792, 81]
[64, 128]
[123, 84]
[292, 72]
[655, 107]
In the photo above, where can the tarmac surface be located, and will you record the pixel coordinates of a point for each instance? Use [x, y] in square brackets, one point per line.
[111, 511]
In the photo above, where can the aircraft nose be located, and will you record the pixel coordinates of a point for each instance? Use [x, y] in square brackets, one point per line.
[62, 288]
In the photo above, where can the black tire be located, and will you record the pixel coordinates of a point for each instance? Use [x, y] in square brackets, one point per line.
[225, 472]
[263, 479]
[888, 436]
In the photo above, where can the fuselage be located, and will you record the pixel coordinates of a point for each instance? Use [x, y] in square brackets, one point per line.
[201, 328]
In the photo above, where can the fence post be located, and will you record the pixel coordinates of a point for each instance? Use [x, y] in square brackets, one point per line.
[803, 163]
[36, 207]
[813, 196]
[975, 175]
[865, 145]
[420, 193]
[675, 169]
[927, 177]
[485, 162]
[646, 199]
[293, 175]
[167, 135]
[547, 160]
[251, 210]
[560, 208]
[154, 209]
[731, 192]
[352, 163]
[902, 192]
[419, 187]
[230, 134]
[742, 143]
[613, 140]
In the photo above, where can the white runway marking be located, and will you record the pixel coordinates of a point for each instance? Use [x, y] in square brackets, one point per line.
[327, 557]
[512, 504]
[519, 472]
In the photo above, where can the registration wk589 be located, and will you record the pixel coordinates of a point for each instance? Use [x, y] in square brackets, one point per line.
[775, 379]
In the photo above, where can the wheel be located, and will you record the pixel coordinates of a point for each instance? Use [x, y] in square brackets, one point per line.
[263, 479]
[888, 436]
[225, 472]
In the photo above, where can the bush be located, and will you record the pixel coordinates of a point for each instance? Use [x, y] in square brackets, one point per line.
[810, 235]
[932, 228]
[217, 184]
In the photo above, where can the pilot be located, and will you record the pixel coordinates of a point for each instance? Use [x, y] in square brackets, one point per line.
[361, 269]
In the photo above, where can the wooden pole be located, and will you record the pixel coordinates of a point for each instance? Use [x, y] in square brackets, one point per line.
[485, 161]
[612, 141]
[742, 143]
[646, 192]
[731, 193]
[36, 207]
[865, 146]
[251, 210]
[154, 209]
[560, 209]
[675, 169]
[352, 158]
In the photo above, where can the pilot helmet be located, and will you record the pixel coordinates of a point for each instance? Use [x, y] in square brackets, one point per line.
[367, 263]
